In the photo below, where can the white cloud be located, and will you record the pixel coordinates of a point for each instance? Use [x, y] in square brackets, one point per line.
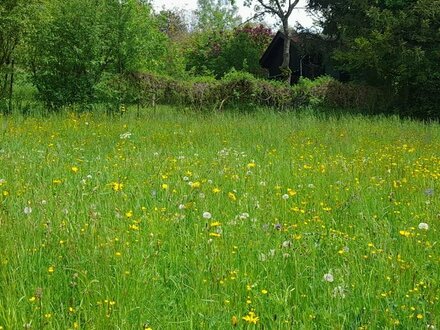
[299, 15]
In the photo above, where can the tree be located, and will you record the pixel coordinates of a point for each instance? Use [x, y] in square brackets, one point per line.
[79, 43]
[216, 15]
[391, 44]
[281, 9]
[14, 16]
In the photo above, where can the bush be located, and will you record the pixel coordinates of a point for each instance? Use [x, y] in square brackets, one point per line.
[241, 89]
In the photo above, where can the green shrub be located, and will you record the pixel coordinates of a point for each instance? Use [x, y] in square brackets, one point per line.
[241, 89]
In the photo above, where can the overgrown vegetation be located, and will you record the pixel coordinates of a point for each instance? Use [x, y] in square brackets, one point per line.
[85, 53]
[165, 220]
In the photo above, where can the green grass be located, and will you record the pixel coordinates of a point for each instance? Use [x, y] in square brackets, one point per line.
[117, 239]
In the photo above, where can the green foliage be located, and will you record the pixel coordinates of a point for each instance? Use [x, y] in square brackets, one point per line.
[242, 90]
[78, 43]
[14, 23]
[216, 15]
[176, 220]
[391, 44]
[218, 52]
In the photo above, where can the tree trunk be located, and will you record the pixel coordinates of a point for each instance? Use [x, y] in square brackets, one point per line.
[285, 66]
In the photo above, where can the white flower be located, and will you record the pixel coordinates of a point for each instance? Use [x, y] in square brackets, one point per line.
[328, 277]
[207, 215]
[181, 206]
[244, 216]
[125, 135]
[27, 210]
[339, 291]
[423, 226]
[286, 244]
[2, 181]
[285, 196]
[185, 178]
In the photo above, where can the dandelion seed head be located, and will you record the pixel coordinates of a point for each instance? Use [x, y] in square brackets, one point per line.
[328, 278]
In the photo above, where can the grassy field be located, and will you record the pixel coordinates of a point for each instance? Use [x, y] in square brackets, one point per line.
[192, 221]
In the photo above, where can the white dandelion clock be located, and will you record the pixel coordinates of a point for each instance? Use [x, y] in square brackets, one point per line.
[328, 278]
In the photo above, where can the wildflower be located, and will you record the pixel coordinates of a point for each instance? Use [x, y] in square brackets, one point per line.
[339, 291]
[27, 210]
[328, 277]
[215, 224]
[74, 169]
[264, 291]
[216, 190]
[405, 233]
[164, 186]
[423, 226]
[51, 269]
[251, 318]
[181, 206]
[285, 196]
[125, 136]
[419, 316]
[195, 185]
[286, 244]
[207, 215]
[234, 321]
[117, 186]
[429, 192]
[232, 196]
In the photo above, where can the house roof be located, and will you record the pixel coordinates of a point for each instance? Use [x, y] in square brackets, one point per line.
[278, 40]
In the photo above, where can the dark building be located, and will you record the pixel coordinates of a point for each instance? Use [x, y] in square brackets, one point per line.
[303, 64]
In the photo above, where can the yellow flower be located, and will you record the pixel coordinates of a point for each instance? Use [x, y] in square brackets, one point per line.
[214, 234]
[51, 269]
[251, 318]
[234, 321]
[251, 165]
[216, 190]
[264, 291]
[232, 196]
[74, 169]
[129, 214]
[57, 181]
[404, 233]
[5, 193]
[117, 186]
[419, 316]
[164, 186]
[195, 185]
[215, 224]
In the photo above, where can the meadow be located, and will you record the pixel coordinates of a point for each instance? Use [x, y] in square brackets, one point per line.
[183, 220]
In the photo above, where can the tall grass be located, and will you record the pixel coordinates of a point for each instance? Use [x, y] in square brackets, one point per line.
[172, 220]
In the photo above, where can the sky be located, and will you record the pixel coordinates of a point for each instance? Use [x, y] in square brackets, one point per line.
[298, 15]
